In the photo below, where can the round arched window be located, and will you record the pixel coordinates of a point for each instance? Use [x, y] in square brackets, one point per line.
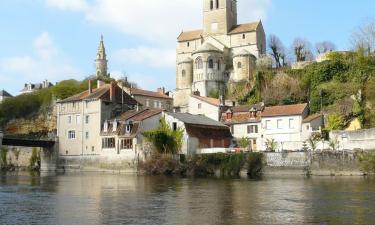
[210, 64]
[183, 73]
[239, 65]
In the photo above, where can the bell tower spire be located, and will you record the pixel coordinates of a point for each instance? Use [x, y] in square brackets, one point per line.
[101, 60]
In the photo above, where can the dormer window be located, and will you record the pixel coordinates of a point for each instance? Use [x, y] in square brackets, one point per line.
[105, 126]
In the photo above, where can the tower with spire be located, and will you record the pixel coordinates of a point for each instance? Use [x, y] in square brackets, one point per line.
[101, 60]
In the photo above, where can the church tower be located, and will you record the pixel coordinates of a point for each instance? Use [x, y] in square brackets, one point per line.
[219, 16]
[101, 60]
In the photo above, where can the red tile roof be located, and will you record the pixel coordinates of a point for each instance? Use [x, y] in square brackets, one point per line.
[212, 101]
[284, 110]
[154, 94]
[190, 35]
[243, 28]
[240, 117]
[139, 115]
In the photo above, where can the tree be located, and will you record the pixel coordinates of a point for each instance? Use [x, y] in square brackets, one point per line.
[324, 47]
[244, 142]
[364, 37]
[335, 122]
[277, 50]
[302, 50]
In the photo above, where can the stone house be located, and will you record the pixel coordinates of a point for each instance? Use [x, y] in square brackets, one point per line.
[151, 99]
[79, 117]
[122, 135]
[200, 132]
[220, 53]
[4, 95]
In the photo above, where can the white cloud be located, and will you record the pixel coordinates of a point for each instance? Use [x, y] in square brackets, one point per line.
[73, 5]
[154, 57]
[46, 62]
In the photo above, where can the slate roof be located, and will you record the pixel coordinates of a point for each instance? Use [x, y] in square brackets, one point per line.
[196, 119]
[204, 132]
[154, 94]
[284, 110]
[5, 93]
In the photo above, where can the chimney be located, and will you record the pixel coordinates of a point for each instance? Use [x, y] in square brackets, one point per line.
[100, 83]
[196, 93]
[229, 114]
[161, 90]
[222, 101]
[90, 86]
[112, 92]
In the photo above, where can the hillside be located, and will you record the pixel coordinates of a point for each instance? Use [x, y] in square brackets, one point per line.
[342, 87]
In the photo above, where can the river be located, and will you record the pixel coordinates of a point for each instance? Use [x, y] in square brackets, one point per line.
[127, 199]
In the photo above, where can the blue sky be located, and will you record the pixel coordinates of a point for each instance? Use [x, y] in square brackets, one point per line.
[57, 39]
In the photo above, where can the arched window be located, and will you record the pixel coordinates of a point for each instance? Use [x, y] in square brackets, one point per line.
[243, 36]
[217, 4]
[210, 64]
[239, 65]
[218, 65]
[199, 63]
[183, 73]
[212, 4]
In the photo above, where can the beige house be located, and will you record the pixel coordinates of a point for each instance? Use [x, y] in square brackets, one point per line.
[122, 135]
[151, 99]
[79, 118]
[222, 52]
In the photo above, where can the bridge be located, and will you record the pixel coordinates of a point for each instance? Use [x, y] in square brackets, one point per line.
[48, 146]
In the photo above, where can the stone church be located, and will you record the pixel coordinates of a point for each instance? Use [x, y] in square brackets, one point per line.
[222, 52]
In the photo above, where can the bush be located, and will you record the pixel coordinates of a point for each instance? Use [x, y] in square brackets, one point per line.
[334, 122]
[35, 159]
[255, 164]
[3, 158]
[161, 164]
[367, 162]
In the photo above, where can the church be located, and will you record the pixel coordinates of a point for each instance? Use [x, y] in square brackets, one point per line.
[222, 52]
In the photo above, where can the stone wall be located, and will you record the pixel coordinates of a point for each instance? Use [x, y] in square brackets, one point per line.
[307, 163]
[19, 156]
[351, 140]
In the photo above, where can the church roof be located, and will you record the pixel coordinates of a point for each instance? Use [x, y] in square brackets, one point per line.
[5, 93]
[207, 47]
[243, 28]
[190, 35]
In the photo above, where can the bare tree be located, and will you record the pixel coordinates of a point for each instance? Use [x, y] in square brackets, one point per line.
[277, 50]
[126, 83]
[302, 50]
[364, 37]
[325, 46]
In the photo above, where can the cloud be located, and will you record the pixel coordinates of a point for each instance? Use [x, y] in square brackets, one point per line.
[153, 57]
[73, 5]
[45, 62]
[155, 21]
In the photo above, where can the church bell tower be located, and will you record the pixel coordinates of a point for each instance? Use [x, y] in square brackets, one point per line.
[219, 16]
[101, 60]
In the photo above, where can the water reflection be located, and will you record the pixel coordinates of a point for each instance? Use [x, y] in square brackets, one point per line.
[121, 199]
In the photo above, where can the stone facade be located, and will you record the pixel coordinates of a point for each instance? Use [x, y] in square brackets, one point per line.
[222, 52]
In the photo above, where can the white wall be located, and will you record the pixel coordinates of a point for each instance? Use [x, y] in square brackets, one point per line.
[206, 109]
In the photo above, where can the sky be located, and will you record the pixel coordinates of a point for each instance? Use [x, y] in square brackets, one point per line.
[58, 39]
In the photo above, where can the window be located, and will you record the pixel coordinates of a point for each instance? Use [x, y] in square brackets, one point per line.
[128, 128]
[147, 103]
[252, 129]
[217, 4]
[279, 124]
[218, 65]
[92, 148]
[155, 104]
[239, 65]
[87, 119]
[71, 134]
[105, 126]
[199, 105]
[78, 119]
[126, 144]
[183, 73]
[87, 135]
[174, 126]
[199, 63]
[108, 142]
[69, 119]
[188, 44]
[210, 64]
[243, 36]
[268, 124]
[212, 4]
[291, 123]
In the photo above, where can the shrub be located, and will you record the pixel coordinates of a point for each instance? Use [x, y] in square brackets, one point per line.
[3, 158]
[35, 159]
[255, 164]
[161, 164]
[334, 122]
[244, 142]
[271, 145]
[367, 162]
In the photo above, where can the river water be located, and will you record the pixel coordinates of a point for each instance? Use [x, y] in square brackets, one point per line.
[126, 199]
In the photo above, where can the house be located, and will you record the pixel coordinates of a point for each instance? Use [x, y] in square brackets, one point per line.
[200, 133]
[79, 117]
[245, 121]
[123, 135]
[29, 88]
[151, 99]
[4, 95]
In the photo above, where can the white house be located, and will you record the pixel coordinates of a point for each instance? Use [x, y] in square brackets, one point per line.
[200, 133]
[4, 95]
[123, 135]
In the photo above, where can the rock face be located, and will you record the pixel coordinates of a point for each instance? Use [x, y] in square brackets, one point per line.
[42, 123]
